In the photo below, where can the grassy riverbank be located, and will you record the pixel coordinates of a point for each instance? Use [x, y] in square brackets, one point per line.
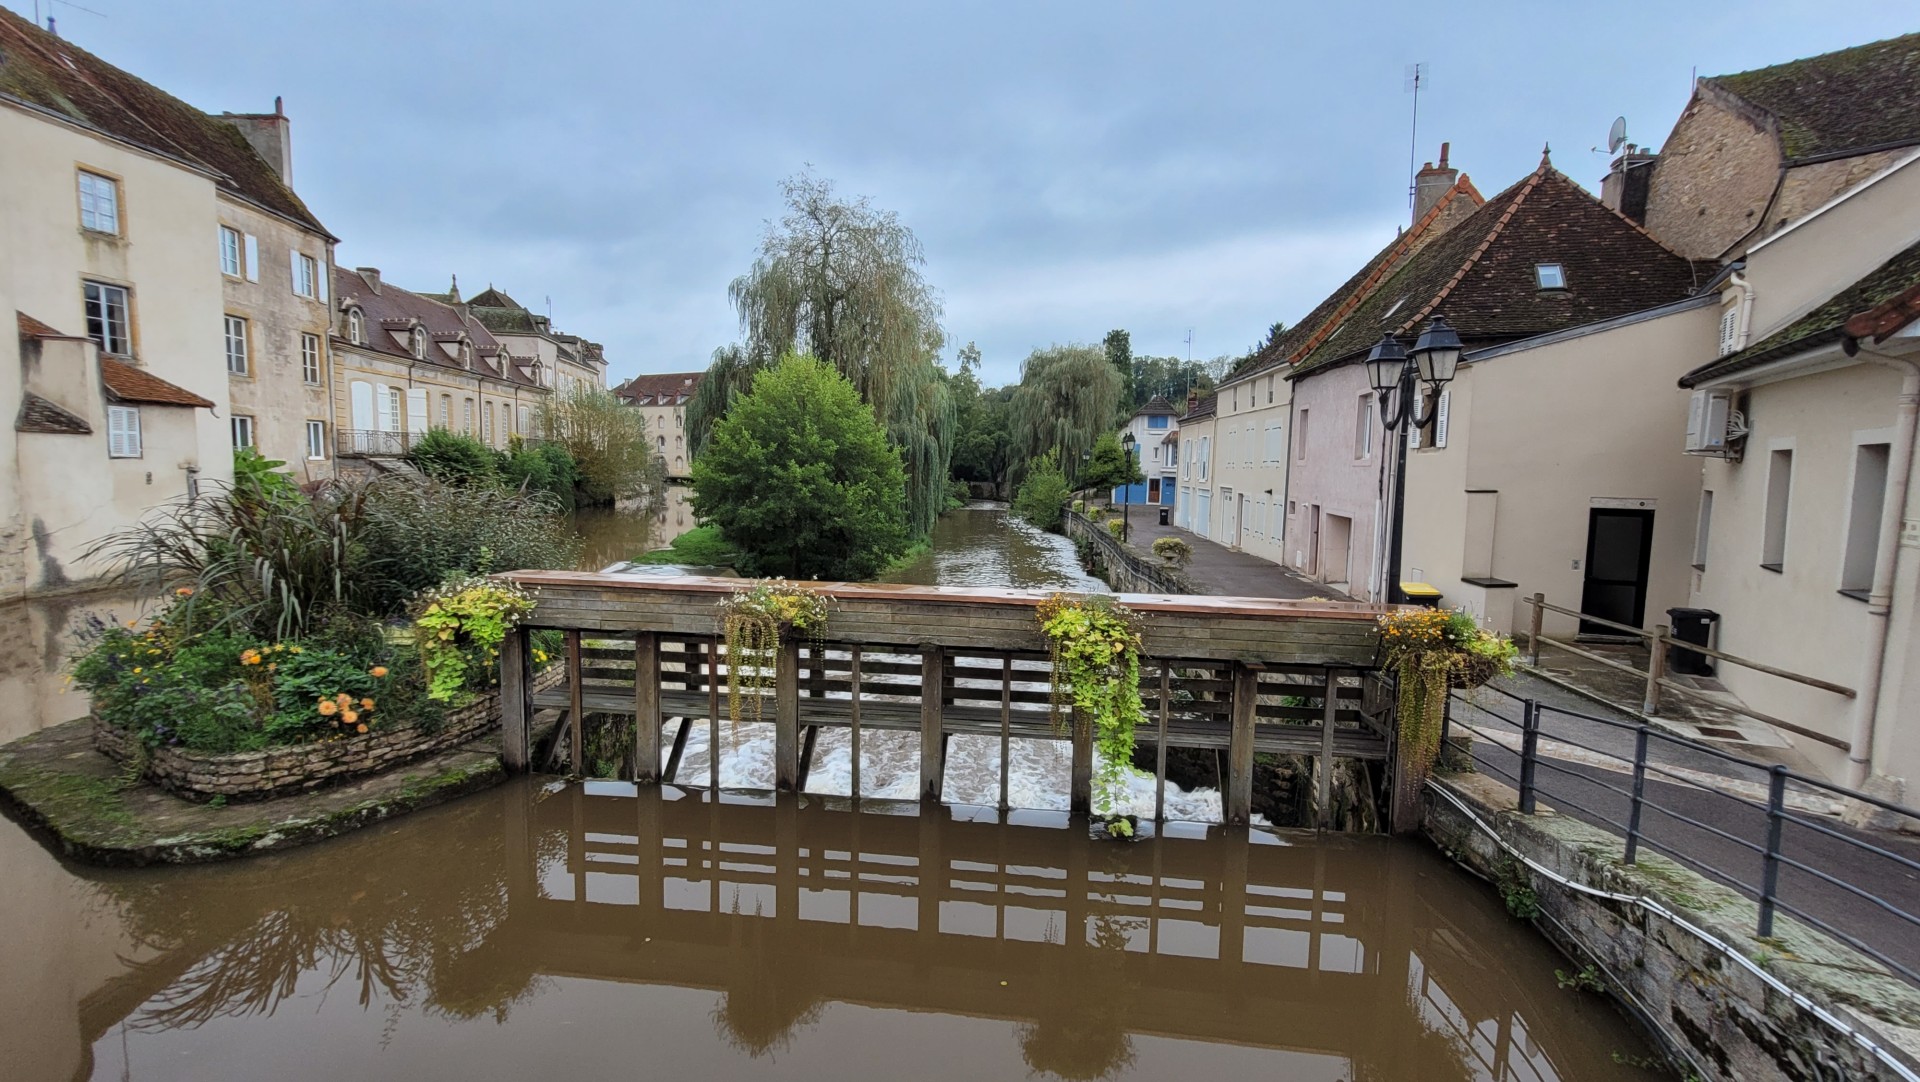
[701, 546]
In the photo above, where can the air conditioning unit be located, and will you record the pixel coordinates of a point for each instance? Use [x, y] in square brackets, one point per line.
[1713, 425]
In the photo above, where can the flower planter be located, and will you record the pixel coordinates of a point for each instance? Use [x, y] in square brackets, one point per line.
[298, 768]
[1474, 670]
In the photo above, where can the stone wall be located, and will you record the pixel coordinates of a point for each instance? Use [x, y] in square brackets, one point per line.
[298, 768]
[1706, 1008]
[1715, 175]
[1122, 569]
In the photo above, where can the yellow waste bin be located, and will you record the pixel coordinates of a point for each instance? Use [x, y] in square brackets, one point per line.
[1420, 593]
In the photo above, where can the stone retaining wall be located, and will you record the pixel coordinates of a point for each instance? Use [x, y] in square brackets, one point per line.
[1723, 1019]
[1122, 569]
[297, 768]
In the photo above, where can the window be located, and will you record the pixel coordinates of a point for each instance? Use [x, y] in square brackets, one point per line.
[1158, 420]
[1300, 437]
[1773, 550]
[1729, 328]
[1275, 449]
[446, 411]
[1863, 520]
[107, 324]
[310, 358]
[486, 424]
[396, 409]
[316, 439]
[1702, 531]
[420, 350]
[99, 203]
[230, 252]
[1550, 276]
[236, 346]
[242, 428]
[680, 420]
[1206, 455]
[523, 421]
[354, 326]
[306, 276]
[123, 432]
[662, 441]
[466, 416]
[1363, 427]
[252, 244]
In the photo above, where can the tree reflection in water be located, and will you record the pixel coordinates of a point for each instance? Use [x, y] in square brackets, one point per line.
[769, 998]
[1087, 1040]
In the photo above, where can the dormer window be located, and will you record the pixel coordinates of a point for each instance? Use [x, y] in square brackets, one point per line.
[355, 327]
[419, 342]
[1550, 276]
[466, 353]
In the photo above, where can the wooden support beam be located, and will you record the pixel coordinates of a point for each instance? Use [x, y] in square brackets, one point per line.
[786, 718]
[808, 741]
[646, 707]
[1160, 747]
[933, 763]
[1080, 796]
[854, 711]
[516, 701]
[713, 715]
[576, 707]
[1239, 794]
[1006, 725]
[1323, 791]
[672, 772]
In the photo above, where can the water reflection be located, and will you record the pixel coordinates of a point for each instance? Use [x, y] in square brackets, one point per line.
[984, 545]
[801, 939]
[611, 535]
[36, 637]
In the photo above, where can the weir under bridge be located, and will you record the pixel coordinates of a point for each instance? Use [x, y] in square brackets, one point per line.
[1230, 675]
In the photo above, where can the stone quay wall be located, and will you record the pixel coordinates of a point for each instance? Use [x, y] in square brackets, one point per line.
[1122, 568]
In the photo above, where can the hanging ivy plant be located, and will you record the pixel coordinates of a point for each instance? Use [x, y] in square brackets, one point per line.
[754, 622]
[460, 625]
[1094, 644]
[1430, 651]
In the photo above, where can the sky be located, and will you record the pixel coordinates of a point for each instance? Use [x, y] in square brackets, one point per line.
[1172, 168]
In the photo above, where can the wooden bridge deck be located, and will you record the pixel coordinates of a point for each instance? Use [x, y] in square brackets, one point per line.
[1240, 675]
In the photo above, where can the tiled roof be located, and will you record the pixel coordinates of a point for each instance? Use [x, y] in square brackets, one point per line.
[125, 383]
[33, 328]
[660, 388]
[1853, 99]
[1300, 339]
[390, 312]
[494, 298]
[1156, 406]
[1881, 292]
[506, 320]
[39, 415]
[61, 78]
[1481, 273]
[1202, 409]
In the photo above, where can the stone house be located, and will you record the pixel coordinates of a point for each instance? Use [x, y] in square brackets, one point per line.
[559, 361]
[1804, 544]
[1193, 507]
[1542, 257]
[1155, 428]
[662, 398]
[407, 363]
[110, 196]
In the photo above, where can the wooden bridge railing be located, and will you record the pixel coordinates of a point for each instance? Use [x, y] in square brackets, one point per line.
[1234, 675]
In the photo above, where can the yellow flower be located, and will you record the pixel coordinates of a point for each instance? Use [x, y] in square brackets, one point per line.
[136, 670]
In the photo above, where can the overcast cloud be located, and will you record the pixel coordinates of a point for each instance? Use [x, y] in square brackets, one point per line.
[1069, 166]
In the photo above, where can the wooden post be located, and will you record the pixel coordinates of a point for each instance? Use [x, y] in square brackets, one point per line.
[576, 708]
[1656, 670]
[786, 718]
[514, 691]
[1539, 603]
[1160, 750]
[1006, 724]
[933, 765]
[1239, 794]
[646, 707]
[713, 719]
[1323, 791]
[1080, 796]
[853, 685]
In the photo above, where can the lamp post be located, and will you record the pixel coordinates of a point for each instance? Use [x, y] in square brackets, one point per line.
[1127, 443]
[1395, 375]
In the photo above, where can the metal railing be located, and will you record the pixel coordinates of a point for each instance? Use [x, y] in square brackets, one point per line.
[374, 443]
[1658, 641]
[1762, 830]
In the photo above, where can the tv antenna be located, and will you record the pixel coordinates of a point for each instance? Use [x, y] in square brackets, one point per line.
[1416, 78]
[1189, 345]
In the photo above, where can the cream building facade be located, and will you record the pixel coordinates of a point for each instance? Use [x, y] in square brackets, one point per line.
[662, 399]
[559, 361]
[1249, 469]
[1199, 438]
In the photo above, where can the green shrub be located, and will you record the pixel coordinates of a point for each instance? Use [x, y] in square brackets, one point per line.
[445, 455]
[957, 494]
[1043, 495]
[542, 467]
[1117, 527]
[1172, 549]
[701, 546]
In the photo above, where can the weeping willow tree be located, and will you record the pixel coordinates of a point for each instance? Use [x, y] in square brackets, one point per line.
[1066, 399]
[841, 281]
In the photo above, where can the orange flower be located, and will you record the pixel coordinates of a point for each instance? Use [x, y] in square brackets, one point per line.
[366, 704]
[378, 670]
[328, 708]
[362, 728]
[350, 716]
[184, 591]
[343, 699]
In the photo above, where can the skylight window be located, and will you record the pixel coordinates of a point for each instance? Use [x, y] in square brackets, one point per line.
[1550, 276]
[1388, 314]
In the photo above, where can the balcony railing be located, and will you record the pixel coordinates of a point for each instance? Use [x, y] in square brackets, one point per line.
[371, 443]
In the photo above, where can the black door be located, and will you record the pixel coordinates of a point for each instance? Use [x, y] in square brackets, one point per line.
[1619, 548]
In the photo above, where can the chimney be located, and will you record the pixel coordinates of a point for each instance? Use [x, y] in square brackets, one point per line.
[372, 275]
[270, 137]
[1624, 189]
[1432, 182]
[1193, 399]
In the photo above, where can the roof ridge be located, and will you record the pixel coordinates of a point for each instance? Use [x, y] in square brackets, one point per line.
[1463, 186]
[1499, 226]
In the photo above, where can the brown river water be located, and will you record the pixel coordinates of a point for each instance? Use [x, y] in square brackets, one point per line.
[556, 931]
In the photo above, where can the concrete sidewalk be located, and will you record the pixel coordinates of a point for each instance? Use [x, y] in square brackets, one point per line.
[1216, 569]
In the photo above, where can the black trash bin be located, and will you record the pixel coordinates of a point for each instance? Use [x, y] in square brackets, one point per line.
[1163, 515]
[1694, 626]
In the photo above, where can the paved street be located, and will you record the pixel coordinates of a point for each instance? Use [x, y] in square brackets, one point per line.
[1216, 569]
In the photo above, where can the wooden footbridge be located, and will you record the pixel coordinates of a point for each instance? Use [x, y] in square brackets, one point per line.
[1233, 675]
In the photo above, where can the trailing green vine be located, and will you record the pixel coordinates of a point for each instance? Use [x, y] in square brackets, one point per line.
[1430, 651]
[460, 624]
[1094, 643]
[755, 621]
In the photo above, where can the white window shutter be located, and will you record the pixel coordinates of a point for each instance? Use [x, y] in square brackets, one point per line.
[1440, 422]
[293, 269]
[253, 258]
[1413, 435]
[1729, 328]
[116, 433]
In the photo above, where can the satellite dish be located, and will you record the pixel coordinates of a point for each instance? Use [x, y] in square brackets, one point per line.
[1617, 135]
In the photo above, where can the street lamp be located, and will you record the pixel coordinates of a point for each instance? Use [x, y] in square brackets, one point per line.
[1127, 443]
[1394, 375]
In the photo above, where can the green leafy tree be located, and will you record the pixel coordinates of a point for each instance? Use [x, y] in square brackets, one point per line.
[981, 437]
[1109, 466]
[608, 441]
[1042, 498]
[800, 477]
[1119, 346]
[1171, 377]
[446, 455]
[1066, 398]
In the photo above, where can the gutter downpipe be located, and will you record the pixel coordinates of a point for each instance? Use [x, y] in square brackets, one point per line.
[1886, 563]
